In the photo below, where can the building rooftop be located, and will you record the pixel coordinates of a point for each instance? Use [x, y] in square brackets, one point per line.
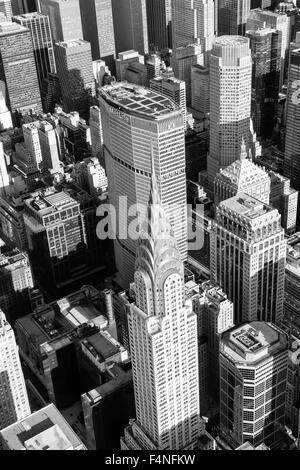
[12, 260]
[51, 322]
[11, 28]
[231, 41]
[49, 201]
[30, 16]
[246, 206]
[252, 342]
[73, 43]
[137, 100]
[46, 429]
[242, 173]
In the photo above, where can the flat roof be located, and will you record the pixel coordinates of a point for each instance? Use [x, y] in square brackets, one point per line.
[231, 41]
[7, 27]
[138, 100]
[72, 43]
[101, 345]
[50, 201]
[246, 206]
[46, 429]
[252, 342]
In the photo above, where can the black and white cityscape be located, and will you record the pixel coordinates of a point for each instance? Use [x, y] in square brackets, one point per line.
[149, 226]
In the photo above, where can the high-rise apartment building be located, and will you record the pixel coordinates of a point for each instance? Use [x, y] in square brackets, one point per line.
[232, 16]
[39, 27]
[247, 257]
[16, 281]
[41, 141]
[292, 139]
[130, 25]
[193, 23]
[98, 29]
[242, 176]
[165, 363]
[253, 370]
[65, 19]
[75, 73]
[159, 19]
[140, 125]
[172, 88]
[14, 404]
[265, 45]
[5, 7]
[17, 60]
[230, 101]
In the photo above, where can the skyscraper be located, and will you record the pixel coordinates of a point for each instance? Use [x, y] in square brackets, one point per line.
[16, 281]
[165, 363]
[258, 19]
[65, 20]
[159, 19]
[292, 139]
[61, 234]
[193, 23]
[96, 131]
[230, 101]
[138, 123]
[14, 404]
[172, 88]
[130, 25]
[247, 257]
[253, 369]
[5, 7]
[182, 60]
[98, 29]
[39, 27]
[200, 88]
[232, 16]
[75, 72]
[265, 45]
[17, 60]
[242, 176]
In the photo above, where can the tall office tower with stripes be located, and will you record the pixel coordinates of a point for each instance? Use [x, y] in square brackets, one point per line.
[39, 27]
[230, 101]
[18, 70]
[139, 124]
[130, 25]
[14, 404]
[159, 21]
[292, 140]
[98, 29]
[5, 7]
[193, 23]
[64, 17]
[248, 253]
[76, 76]
[232, 16]
[163, 342]
[253, 381]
